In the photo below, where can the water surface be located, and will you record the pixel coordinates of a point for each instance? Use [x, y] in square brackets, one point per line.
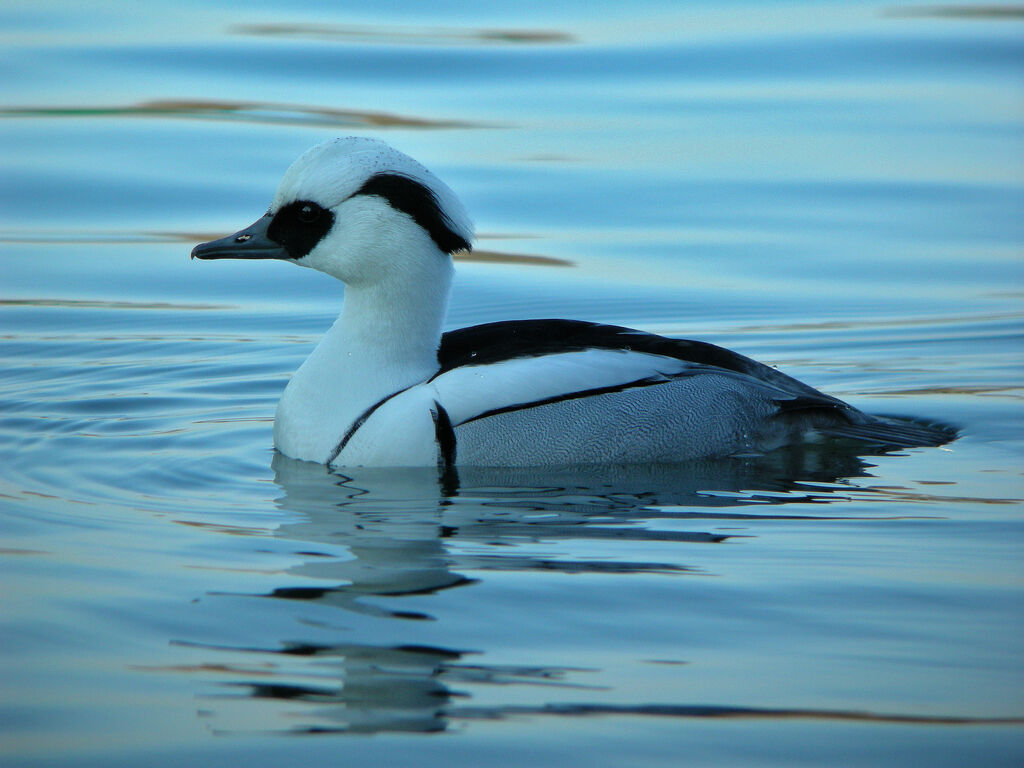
[833, 188]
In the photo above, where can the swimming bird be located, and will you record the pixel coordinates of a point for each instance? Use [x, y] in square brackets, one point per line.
[385, 387]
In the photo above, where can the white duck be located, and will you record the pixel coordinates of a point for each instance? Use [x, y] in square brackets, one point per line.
[385, 387]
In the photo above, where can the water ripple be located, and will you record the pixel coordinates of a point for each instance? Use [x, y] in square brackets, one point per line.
[244, 111]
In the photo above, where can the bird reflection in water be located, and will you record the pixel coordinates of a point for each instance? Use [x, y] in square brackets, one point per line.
[379, 547]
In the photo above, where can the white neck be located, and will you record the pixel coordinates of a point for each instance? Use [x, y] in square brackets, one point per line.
[385, 340]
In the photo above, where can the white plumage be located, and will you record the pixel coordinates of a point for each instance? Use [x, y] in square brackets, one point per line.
[385, 388]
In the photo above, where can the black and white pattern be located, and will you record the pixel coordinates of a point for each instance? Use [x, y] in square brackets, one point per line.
[386, 388]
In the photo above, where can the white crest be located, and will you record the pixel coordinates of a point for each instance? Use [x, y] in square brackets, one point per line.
[331, 172]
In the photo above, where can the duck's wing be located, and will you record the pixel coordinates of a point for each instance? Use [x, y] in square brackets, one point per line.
[510, 365]
[513, 365]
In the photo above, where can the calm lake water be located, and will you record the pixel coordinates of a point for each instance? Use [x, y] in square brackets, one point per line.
[834, 188]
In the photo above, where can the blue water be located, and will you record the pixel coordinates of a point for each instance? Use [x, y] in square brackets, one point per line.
[833, 188]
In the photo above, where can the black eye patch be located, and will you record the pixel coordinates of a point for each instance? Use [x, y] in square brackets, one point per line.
[299, 226]
[411, 197]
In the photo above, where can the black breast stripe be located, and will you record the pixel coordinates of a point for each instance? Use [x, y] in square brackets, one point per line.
[358, 423]
[445, 435]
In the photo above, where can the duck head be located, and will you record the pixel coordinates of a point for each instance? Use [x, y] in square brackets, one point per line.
[356, 209]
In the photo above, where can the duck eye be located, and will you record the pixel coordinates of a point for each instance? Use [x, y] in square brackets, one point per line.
[309, 212]
[299, 226]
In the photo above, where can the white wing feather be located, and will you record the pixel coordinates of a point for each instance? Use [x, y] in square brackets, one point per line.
[470, 391]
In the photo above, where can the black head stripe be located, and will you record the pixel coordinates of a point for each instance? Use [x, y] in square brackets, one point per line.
[409, 196]
[299, 226]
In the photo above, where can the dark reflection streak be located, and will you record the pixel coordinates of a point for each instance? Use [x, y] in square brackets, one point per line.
[315, 593]
[656, 514]
[975, 12]
[498, 257]
[631, 533]
[505, 563]
[477, 255]
[707, 711]
[394, 35]
[99, 304]
[439, 660]
[558, 530]
[402, 688]
[271, 113]
[289, 648]
[284, 692]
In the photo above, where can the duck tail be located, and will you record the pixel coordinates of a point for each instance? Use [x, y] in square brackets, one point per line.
[895, 432]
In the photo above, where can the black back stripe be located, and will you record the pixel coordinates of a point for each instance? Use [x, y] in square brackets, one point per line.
[354, 427]
[645, 382]
[418, 201]
[512, 339]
